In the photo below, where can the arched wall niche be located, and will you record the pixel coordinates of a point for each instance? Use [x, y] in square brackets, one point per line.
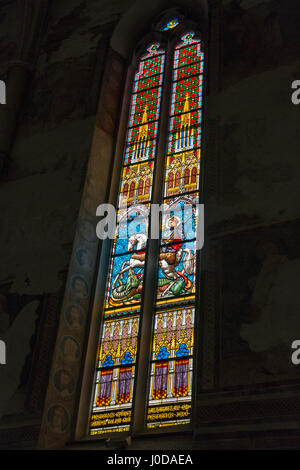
[135, 23]
[101, 186]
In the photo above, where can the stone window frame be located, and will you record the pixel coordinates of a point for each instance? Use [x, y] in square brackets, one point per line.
[104, 165]
[168, 42]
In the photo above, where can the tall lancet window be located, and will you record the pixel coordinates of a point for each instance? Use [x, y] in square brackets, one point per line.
[118, 345]
[172, 70]
[171, 381]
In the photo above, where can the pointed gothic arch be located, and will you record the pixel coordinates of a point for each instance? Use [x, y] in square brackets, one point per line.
[108, 172]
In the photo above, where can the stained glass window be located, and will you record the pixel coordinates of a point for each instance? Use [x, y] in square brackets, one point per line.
[116, 356]
[170, 24]
[170, 391]
[169, 398]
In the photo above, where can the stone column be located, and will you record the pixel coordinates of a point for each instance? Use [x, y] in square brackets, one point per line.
[34, 18]
[18, 75]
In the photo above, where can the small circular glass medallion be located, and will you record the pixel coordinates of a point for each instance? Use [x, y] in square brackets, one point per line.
[172, 23]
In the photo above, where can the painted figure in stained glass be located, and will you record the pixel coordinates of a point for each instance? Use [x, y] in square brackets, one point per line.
[173, 236]
[127, 279]
[181, 212]
[132, 221]
[176, 260]
[173, 232]
[127, 264]
[128, 272]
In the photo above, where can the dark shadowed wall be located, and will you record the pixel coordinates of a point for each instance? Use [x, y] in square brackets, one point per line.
[65, 66]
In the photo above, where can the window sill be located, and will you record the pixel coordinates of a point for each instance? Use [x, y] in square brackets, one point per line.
[126, 441]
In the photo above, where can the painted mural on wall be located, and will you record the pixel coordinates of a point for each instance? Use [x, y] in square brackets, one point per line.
[260, 313]
[18, 328]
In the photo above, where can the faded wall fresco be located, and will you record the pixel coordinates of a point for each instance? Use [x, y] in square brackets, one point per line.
[257, 123]
[260, 305]
[18, 329]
